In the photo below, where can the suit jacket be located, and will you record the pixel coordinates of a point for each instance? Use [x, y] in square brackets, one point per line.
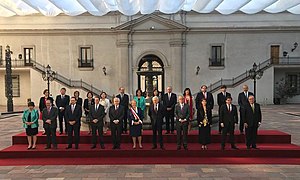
[62, 102]
[52, 115]
[75, 116]
[228, 118]
[87, 106]
[222, 99]
[42, 103]
[99, 114]
[253, 118]
[243, 100]
[209, 100]
[116, 114]
[157, 117]
[201, 114]
[79, 102]
[170, 103]
[124, 101]
[34, 118]
[183, 113]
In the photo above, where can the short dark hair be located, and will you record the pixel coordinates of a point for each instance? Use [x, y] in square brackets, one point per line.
[73, 97]
[45, 91]
[30, 104]
[203, 86]
[63, 89]
[223, 87]
[97, 96]
[138, 90]
[87, 95]
[229, 97]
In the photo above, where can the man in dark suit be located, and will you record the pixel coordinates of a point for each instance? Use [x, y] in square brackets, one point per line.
[169, 101]
[97, 114]
[156, 113]
[252, 122]
[182, 114]
[204, 95]
[73, 115]
[49, 116]
[124, 101]
[243, 102]
[228, 119]
[221, 98]
[116, 115]
[62, 101]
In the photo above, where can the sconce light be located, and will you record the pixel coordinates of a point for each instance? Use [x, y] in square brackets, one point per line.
[285, 53]
[20, 56]
[104, 70]
[197, 70]
[152, 28]
[295, 46]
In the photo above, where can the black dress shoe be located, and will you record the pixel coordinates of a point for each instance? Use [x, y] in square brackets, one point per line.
[47, 147]
[254, 147]
[69, 147]
[162, 148]
[76, 147]
[29, 148]
[102, 146]
[172, 132]
[114, 147]
[234, 147]
[118, 147]
[222, 147]
[154, 147]
[248, 147]
[178, 147]
[54, 147]
[93, 147]
[186, 148]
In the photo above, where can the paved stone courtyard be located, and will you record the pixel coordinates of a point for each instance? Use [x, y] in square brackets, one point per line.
[285, 118]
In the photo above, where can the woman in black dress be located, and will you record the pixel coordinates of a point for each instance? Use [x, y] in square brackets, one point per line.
[135, 117]
[89, 101]
[204, 118]
[30, 120]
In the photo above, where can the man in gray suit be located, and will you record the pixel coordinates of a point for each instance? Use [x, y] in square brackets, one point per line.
[182, 114]
[49, 116]
[97, 114]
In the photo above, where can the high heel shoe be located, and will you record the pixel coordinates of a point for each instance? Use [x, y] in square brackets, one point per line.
[134, 147]
[29, 147]
[33, 147]
[141, 147]
[205, 147]
[202, 147]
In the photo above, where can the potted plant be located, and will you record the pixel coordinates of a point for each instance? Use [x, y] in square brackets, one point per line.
[283, 91]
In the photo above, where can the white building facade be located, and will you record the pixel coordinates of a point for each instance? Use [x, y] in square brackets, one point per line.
[151, 51]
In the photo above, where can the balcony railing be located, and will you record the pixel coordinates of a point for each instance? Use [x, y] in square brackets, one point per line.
[216, 62]
[85, 63]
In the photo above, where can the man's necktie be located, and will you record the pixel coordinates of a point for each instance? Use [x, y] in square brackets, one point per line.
[253, 108]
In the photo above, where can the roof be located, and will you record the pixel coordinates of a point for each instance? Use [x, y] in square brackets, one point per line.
[130, 7]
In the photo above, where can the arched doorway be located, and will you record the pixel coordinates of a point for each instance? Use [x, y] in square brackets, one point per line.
[151, 74]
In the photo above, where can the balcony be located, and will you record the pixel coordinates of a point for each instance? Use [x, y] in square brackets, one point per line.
[86, 64]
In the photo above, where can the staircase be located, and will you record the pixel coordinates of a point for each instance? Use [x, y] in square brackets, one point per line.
[58, 77]
[235, 81]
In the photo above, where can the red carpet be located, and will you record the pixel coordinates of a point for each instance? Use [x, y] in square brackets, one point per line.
[275, 148]
[264, 136]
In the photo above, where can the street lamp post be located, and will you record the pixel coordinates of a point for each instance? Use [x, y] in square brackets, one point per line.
[8, 80]
[255, 74]
[48, 76]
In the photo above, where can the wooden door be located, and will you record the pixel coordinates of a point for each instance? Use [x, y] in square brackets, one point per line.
[275, 54]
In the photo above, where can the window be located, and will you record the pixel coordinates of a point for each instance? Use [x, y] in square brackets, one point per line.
[85, 56]
[217, 57]
[293, 82]
[28, 54]
[15, 85]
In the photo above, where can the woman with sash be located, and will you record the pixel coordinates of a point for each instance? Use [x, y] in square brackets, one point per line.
[135, 117]
[188, 99]
[204, 118]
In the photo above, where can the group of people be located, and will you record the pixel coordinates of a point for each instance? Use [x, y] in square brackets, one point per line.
[176, 113]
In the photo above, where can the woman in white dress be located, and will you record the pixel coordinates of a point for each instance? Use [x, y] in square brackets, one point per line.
[106, 103]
